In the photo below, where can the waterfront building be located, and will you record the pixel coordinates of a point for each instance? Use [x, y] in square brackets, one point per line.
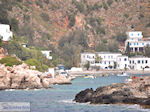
[87, 57]
[105, 60]
[139, 63]
[5, 32]
[122, 62]
[101, 60]
[135, 41]
[108, 60]
[47, 53]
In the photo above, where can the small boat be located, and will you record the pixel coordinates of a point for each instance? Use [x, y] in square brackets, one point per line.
[123, 74]
[128, 80]
[89, 76]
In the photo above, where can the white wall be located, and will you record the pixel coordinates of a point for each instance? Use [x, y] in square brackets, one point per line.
[135, 34]
[122, 62]
[138, 63]
[47, 54]
[5, 32]
[87, 57]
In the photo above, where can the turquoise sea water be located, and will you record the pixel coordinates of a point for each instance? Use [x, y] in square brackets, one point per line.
[59, 99]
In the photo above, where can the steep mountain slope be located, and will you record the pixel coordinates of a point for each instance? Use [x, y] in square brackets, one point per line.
[72, 26]
[49, 20]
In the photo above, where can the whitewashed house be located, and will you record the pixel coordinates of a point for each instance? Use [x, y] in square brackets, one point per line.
[139, 63]
[135, 41]
[122, 62]
[5, 32]
[107, 60]
[47, 53]
[101, 60]
[87, 57]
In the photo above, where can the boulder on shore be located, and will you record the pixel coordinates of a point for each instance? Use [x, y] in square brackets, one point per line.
[21, 77]
[135, 92]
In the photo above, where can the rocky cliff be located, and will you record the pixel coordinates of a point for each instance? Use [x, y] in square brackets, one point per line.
[47, 21]
[135, 92]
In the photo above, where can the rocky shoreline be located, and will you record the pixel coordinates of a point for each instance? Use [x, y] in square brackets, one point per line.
[22, 77]
[136, 91]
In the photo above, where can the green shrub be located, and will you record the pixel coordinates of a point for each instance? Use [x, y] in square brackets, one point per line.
[148, 25]
[39, 66]
[121, 37]
[110, 2]
[10, 61]
[44, 16]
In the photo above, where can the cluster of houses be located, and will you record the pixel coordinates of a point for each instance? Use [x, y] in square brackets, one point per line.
[109, 60]
[6, 35]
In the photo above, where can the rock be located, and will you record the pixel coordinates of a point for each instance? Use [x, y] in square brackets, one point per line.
[84, 96]
[22, 77]
[136, 92]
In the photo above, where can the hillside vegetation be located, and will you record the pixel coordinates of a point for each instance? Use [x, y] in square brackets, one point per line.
[69, 27]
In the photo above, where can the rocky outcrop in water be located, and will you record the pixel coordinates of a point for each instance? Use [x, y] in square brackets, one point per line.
[21, 77]
[135, 92]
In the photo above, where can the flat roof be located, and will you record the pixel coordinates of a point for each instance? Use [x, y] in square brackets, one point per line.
[139, 56]
[87, 53]
[108, 52]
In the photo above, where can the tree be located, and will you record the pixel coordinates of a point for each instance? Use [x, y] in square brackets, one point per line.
[115, 65]
[98, 58]
[147, 51]
[87, 65]
[127, 52]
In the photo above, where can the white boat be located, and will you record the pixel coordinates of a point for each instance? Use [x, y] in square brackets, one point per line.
[128, 80]
[90, 76]
[123, 74]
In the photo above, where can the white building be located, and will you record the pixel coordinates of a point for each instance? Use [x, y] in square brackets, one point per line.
[135, 41]
[102, 60]
[107, 60]
[139, 63]
[87, 57]
[5, 32]
[122, 62]
[47, 53]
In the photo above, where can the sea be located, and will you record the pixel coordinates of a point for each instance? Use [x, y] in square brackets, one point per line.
[59, 98]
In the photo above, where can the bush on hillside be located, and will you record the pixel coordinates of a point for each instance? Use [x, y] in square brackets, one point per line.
[39, 66]
[10, 61]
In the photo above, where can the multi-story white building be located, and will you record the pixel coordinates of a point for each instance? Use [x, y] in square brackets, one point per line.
[46, 53]
[5, 33]
[102, 60]
[106, 60]
[135, 41]
[139, 63]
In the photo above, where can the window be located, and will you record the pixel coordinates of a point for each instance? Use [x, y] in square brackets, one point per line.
[130, 43]
[130, 62]
[142, 43]
[138, 61]
[133, 62]
[125, 59]
[142, 61]
[146, 61]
